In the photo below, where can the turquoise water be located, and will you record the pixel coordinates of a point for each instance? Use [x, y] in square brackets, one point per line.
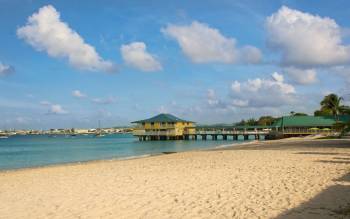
[40, 150]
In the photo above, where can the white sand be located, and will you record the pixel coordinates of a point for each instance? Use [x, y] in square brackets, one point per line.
[207, 184]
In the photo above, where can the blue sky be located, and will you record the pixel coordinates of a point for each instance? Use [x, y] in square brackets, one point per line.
[67, 64]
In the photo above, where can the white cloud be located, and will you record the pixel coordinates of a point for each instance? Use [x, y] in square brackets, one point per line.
[239, 103]
[46, 32]
[203, 44]
[57, 109]
[236, 86]
[135, 54]
[301, 76]
[109, 100]
[214, 101]
[277, 77]
[211, 97]
[259, 92]
[53, 108]
[6, 69]
[78, 94]
[305, 39]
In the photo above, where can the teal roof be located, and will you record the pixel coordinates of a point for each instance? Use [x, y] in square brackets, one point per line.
[309, 121]
[162, 118]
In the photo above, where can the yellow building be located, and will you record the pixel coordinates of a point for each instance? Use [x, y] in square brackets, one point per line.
[163, 127]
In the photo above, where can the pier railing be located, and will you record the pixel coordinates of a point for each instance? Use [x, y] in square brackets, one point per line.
[154, 133]
[224, 132]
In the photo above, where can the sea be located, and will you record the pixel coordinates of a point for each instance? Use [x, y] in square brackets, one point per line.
[41, 150]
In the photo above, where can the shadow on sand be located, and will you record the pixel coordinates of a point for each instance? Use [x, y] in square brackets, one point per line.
[333, 202]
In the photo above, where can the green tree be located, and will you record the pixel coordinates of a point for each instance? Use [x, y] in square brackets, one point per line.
[266, 120]
[332, 103]
[252, 122]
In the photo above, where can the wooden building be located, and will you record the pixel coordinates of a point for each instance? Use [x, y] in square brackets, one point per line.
[163, 127]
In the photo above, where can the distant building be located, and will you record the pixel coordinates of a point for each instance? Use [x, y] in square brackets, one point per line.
[81, 131]
[305, 125]
[163, 127]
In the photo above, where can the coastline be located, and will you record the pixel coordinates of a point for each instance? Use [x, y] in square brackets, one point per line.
[243, 145]
[294, 178]
[125, 158]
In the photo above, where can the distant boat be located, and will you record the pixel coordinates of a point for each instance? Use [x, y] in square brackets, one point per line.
[99, 132]
[4, 136]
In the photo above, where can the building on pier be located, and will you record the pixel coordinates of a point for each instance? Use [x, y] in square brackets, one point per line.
[163, 127]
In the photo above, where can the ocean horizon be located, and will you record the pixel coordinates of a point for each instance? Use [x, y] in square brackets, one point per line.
[28, 151]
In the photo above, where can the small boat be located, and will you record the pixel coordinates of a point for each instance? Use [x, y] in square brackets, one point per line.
[4, 136]
[99, 132]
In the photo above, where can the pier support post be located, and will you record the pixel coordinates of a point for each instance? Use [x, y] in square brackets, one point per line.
[246, 137]
[224, 137]
[235, 137]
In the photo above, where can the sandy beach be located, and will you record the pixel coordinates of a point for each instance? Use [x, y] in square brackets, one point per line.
[281, 179]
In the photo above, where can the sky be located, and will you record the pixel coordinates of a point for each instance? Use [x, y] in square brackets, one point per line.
[64, 64]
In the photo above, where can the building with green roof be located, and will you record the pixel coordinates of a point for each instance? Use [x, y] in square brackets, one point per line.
[302, 125]
[163, 127]
[163, 117]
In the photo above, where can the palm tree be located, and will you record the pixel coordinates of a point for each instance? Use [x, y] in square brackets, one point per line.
[332, 103]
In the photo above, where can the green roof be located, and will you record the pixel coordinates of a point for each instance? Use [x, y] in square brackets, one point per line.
[309, 121]
[162, 118]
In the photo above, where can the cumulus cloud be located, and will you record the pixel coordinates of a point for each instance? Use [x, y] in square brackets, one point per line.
[273, 92]
[78, 94]
[301, 76]
[203, 44]
[305, 39]
[236, 86]
[6, 69]
[46, 32]
[214, 101]
[57, 109]
[135, 54]
[53, 108]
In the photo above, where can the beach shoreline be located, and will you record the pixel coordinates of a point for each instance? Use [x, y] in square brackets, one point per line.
[294, 178]
[127, 158]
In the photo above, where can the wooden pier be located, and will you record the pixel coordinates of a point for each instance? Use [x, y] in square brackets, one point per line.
[204, 135]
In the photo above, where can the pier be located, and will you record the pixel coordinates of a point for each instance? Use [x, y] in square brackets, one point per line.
[214, 133]
[169, 127]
